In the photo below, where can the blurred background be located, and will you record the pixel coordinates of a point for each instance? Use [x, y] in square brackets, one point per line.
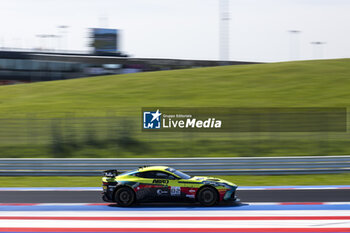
[209, 53]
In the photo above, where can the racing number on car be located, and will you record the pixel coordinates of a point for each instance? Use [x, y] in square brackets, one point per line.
[175, 191]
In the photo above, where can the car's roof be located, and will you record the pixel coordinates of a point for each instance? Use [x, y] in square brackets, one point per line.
[153, 168]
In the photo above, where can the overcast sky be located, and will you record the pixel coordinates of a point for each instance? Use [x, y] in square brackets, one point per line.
[185, 28]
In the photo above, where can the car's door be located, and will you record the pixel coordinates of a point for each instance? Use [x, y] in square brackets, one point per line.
[162, 182]
[153, 185]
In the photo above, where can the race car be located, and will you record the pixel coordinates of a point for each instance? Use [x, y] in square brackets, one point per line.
[162, 183]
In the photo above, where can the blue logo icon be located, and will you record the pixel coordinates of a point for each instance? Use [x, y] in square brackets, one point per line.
[151, 120]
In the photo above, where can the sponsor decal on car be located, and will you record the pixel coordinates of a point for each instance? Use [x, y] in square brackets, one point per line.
[162, 192]
[190, 195]
[160, 181]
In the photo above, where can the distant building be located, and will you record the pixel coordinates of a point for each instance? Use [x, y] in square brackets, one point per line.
[34, 66]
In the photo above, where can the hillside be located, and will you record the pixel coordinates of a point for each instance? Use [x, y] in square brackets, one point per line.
[100, 116]
[304, 83]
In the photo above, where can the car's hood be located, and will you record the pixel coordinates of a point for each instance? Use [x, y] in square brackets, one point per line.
[212, 180]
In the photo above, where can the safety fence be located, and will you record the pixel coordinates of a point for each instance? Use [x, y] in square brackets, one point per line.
[194, 166]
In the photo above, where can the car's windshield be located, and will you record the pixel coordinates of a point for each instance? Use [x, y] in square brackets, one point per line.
[178, 173]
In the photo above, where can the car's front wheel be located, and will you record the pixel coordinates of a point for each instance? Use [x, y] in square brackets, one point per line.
[124, 196]
[207, 196]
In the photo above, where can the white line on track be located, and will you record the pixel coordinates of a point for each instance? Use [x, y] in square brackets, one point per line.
[178, 213]
[177, 224]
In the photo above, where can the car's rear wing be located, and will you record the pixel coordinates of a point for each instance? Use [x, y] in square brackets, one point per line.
[110, 173]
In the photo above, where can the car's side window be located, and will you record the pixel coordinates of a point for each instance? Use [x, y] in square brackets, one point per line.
[161, 175]
[155, 175]
[146, 175]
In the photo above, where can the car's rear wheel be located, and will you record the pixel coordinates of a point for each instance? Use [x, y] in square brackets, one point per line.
[208, 196]
[124, 196]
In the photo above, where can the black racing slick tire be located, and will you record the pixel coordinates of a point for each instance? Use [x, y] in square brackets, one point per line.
[208, 196]
[124, 196]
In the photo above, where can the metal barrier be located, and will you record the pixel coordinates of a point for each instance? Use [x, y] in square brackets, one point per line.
[194, 166]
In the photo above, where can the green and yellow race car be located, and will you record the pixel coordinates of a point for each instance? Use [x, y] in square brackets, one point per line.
[162, 183]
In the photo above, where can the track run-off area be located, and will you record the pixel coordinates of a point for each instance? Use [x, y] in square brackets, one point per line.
[314, 209]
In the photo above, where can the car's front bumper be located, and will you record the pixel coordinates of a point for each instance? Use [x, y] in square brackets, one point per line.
[230, 195]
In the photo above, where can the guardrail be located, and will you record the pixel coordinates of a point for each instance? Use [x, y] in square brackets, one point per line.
[194, 166]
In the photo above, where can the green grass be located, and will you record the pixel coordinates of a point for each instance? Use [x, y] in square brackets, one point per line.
[36, 106]
[58, 181]
[321, 83]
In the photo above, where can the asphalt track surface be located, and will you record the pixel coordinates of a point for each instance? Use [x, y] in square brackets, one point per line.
[314, 195]
[278, 209]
